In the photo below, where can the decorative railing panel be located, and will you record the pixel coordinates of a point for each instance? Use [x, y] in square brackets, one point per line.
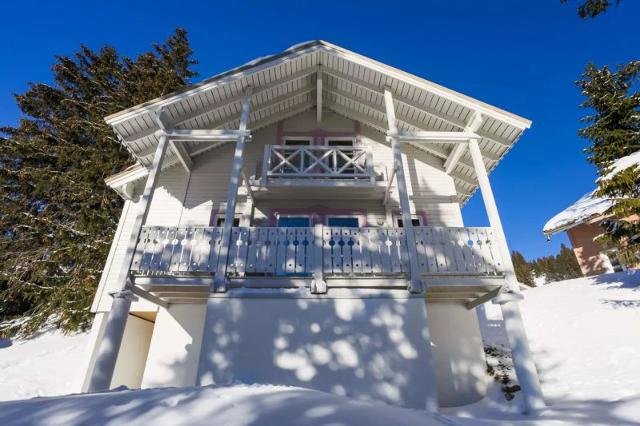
[302, 251]
[323, 162]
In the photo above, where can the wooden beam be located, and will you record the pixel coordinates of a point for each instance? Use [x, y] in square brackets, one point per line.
[220, 283]
[483, 299]
[319, 94]
[415, 283]
[435, 137]
[178, 149]
[387, 191]
[474, 124]
[150, 297]
[206, 135]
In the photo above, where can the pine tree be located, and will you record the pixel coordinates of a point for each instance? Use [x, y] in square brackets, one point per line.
[57, 216]
[614, 132]
[523, 269]
[593, 8]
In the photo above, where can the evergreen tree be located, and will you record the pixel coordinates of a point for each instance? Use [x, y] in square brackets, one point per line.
[593, 8]
[563, 266]
[614, 132]
[57, 216]
[523, 269]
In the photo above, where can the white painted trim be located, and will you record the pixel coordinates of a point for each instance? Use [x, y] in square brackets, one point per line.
[205, 135]
[309, 139]
[319, 95]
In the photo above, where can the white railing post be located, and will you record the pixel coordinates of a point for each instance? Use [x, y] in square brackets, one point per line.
[318, 285]
[220, 281]
[102, 371]
[266, 164]
[522, 360]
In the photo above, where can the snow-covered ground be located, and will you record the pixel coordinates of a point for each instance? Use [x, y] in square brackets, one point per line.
[46, 365]
[584, 333]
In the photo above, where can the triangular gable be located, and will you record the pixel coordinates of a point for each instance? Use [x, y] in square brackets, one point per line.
[286, 84]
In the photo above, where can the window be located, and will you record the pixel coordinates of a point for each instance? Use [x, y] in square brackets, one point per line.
[339, 160]
[415, 221]
[220, 221]
[297, 159]
[293, 221]
[344, 221]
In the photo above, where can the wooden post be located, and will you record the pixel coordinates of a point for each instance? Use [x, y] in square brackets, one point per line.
[415, 285]
[105, 363]
[220, 281]
[318, 285]
[521, 354]
[415, 281]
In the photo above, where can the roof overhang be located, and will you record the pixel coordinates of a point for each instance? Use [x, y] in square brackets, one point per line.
[587, 209]
[344, 82]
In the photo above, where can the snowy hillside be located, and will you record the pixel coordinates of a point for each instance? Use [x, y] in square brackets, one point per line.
[48, 364]
[584, 333]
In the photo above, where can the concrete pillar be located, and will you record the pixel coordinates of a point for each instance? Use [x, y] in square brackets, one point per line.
[117, 318]
[520, 352]
[102, 373]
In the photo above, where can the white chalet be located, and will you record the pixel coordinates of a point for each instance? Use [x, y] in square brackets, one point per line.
[296, 220]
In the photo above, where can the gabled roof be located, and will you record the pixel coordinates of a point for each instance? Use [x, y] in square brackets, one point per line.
[285, 85]
[587, 208]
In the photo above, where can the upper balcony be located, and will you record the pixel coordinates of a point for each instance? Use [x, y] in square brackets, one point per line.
[319, 171]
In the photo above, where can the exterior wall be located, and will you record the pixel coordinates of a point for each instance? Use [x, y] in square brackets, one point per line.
[586, 250]
[458, 354]
[364, 347]
[132, 355]
[183, 199]
[175, 347]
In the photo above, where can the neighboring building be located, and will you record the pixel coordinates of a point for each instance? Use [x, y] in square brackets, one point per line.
[293, 220]
[582, 221]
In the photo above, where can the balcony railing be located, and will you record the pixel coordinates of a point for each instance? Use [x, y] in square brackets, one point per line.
[339, 252]
[317, 162]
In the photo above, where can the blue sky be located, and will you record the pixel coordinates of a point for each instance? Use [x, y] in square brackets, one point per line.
[521, 56]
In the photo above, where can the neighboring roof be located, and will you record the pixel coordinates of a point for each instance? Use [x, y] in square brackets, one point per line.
[588, 207]
[621, 164]
[284, 85]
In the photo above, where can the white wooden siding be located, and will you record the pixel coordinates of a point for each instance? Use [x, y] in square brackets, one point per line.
[187, 201]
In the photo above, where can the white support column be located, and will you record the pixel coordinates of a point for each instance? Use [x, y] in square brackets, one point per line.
[415, 285]
[220, 282]
[521, 354]
[319, 94]
[109, 345]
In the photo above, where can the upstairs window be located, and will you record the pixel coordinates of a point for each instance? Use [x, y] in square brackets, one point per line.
[220, 221]
[415, 221]
[343, 221]
[293, 222]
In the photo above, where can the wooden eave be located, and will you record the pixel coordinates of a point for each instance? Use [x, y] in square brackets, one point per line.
[285, 85]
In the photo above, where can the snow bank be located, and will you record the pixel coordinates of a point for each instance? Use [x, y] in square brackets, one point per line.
[238, 405]
[582, 210]
[584, 334]
[48, 364]
[585, 338]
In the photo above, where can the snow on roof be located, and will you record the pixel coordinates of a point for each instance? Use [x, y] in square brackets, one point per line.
[587, 207]
[621, 164]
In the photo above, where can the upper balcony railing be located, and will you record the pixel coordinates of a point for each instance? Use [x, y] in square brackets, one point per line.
[317, 162]
[334, 252]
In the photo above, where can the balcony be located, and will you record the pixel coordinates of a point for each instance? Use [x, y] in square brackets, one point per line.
[348, 253]
[310, 171]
